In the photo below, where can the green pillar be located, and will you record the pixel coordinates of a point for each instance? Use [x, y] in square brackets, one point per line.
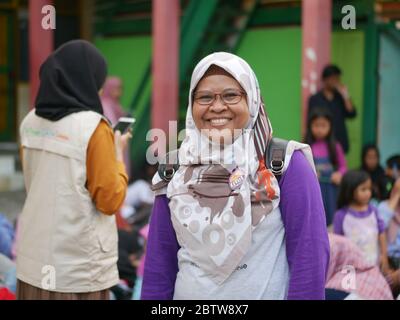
[370, 78]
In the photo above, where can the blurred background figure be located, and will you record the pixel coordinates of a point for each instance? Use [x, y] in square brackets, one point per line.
[129, 252]
[132, 220]
[144, 233]
[358, 220]
[329, 158]
[139, 197]
[389, 211]
[370, 163]
[374, 229]
[335, 96]
[392, 170]
[350, 277]
[7, 235]
[8, 279]
[110, 99]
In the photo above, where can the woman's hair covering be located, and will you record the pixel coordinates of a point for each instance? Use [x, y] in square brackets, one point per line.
[70, 81]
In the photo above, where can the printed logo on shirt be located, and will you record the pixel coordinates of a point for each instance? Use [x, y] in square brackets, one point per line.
[45, 133]
[242, 267]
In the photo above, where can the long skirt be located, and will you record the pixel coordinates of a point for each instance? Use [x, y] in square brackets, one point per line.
[27, 292]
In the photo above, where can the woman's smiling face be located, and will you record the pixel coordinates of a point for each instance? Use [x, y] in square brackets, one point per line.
[219, 117]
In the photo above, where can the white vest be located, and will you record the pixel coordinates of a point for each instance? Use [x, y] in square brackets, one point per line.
[65, 244]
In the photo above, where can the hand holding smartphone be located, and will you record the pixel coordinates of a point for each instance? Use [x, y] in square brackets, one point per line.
[124, 124]
[122, 135]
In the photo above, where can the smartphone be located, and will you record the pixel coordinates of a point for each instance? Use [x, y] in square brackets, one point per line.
[124, 124]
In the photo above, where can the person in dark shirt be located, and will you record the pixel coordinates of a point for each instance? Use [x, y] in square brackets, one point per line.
[334, 96]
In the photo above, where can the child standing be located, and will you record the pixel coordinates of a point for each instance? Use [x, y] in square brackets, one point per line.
[358, 220]
[329, 158]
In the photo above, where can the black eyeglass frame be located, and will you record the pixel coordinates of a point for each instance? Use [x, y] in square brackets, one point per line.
[241, 95]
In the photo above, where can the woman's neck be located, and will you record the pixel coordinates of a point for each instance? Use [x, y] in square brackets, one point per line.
[359, 207]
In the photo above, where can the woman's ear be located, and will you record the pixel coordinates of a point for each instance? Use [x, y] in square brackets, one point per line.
[101, 92]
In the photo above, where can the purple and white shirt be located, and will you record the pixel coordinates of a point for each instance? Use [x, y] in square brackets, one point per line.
[363, 228]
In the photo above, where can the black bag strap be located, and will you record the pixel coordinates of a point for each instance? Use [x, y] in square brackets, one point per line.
[275, 156]
[167, 169]
[274, 159]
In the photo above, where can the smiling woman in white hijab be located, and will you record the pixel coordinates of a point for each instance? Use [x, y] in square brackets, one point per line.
[224, 227]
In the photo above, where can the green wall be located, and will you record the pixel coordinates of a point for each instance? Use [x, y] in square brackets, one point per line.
[389, 109]
[348, 53]
[275, 56]
[127, 57]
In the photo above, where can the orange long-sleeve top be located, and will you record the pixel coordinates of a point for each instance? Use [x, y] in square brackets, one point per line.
[107, 180]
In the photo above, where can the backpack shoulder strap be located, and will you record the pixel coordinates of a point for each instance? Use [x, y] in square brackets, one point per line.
[167, 169]
[275, 156]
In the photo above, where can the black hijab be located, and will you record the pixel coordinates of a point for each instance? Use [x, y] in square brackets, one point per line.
[70, 80]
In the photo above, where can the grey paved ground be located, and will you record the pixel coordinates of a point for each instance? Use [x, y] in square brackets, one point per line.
[11, 203]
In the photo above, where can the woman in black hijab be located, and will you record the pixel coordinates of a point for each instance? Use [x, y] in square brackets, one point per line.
[75, 180]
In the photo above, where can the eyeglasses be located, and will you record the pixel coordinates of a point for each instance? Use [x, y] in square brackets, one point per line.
[228, 96]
